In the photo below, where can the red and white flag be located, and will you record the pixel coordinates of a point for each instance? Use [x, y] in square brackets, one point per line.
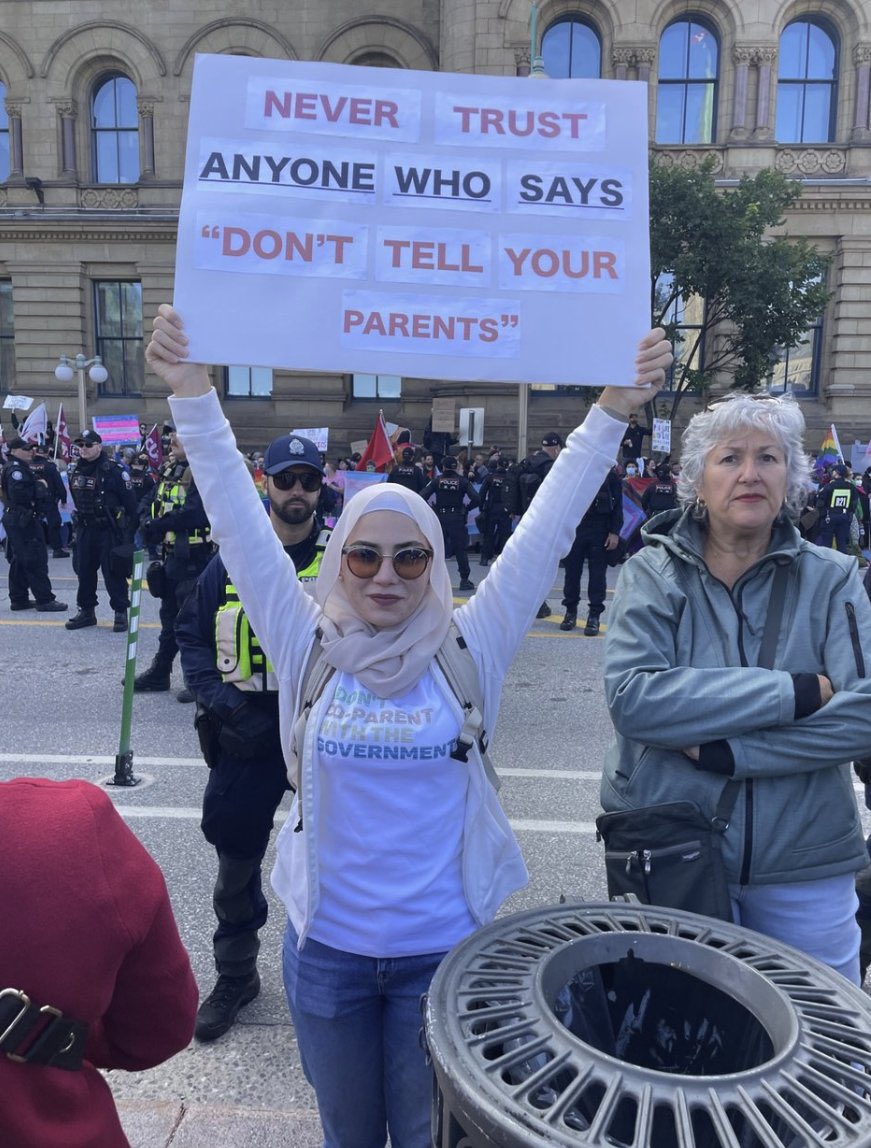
[62, 441]
[154, 448]
[378, 448]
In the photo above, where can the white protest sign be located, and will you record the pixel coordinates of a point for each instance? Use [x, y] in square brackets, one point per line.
[661, 437]
[421, 224]
[320, 436]
[17, 403]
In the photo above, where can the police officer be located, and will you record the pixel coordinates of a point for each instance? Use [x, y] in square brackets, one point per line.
[407, 473]
[497, 506]
[837, 503]
[237, 722]
[661, 494]
[142, 485]
[177, 521]
[104, 519]
[598, 533]
[43, 467]
[454, 498]
[25, 498]
[531, 474]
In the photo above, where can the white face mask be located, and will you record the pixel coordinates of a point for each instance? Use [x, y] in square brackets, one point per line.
[631, 471]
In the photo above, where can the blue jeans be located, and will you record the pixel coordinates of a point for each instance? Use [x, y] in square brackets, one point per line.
[358, 1022]
[817, 917]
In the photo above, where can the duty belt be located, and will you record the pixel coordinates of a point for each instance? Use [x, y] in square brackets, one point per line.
[30, 1034]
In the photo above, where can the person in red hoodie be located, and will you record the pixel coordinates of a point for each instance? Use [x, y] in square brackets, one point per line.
[93, 973]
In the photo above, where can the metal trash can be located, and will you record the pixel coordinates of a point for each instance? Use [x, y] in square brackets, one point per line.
[630, 1026]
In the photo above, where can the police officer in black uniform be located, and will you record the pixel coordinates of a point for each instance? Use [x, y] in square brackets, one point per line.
[177, 521]
[531, 474]
[142, 484]
[497, 506]
[661, 494]
[105, 517]
[25, 498]
[598, 532]
[407, 473]
[43, 467]
[837, 503]
[237, 721]
[454, 498]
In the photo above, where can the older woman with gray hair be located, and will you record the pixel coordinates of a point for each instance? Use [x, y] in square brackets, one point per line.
[693, 707]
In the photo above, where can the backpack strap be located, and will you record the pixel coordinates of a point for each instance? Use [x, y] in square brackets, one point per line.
[458, 666]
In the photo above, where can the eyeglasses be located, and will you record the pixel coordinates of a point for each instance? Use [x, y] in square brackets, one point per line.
[309, 480]
[409, 563]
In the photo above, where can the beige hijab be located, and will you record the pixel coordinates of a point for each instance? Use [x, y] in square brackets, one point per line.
[388, 661]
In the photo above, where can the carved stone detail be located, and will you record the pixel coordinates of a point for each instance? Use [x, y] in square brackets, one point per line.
[109, 198]
[522, 57]
[743, 53]
[3, 197]
[633, 56]
[862, 54]
[689, 159]
[811, 161]
[66, 108]
[763, 53]
[145, 108]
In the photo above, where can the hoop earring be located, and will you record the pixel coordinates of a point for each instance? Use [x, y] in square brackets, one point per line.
[699, 509]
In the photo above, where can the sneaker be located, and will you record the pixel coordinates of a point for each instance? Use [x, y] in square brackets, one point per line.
[119, 626]
[218, 1011]
[569, 621]
[52, 607]
[151, 681]
[592, 627]
[465, 584]
[543, 611]
[60, 553]
[82, 619]
[185, 695]
[28, 605]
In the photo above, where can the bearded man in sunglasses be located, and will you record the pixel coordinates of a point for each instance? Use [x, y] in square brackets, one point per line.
[237, 724]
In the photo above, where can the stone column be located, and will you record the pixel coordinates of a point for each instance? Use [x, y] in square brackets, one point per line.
[68, 112]
[741, 57]
[145, 107]
[621, 58]
[16, 141]
[645, 58]
[764, 59]
[861, 119]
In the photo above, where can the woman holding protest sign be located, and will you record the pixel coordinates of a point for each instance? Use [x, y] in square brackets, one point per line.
[396, 847]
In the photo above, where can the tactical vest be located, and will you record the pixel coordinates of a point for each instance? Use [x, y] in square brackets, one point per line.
[496, 492]
[449, 493]
[87, 493]
[172, 492]
[840, 500]
[239, 655]
[663, 497]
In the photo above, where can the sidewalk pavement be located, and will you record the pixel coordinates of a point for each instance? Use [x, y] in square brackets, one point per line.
[171, 1124]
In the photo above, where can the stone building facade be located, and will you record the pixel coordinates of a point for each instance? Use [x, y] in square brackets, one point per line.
[92, 128]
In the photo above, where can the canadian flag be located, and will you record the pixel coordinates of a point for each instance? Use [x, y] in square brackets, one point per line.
[378, 448]
[62, 441]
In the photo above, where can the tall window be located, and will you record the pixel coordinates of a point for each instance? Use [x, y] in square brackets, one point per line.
[796, 369]
[118, 310]
[687, 318]
[115, 131]
[571, 49]
[686, 94]
[7, 338]
[4, 136]
[806, 84]
[376, 386]
[248, 382]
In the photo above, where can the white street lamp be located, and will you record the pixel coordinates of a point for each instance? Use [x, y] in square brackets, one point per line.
[97, 373]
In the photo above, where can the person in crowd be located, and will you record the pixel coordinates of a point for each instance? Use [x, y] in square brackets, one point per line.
[454, 497]
[25, 498]
[661, 494]
[533, 472]
[387, 859]
[632, 441]
[93, 974]
[105, 519]
[142, 484]
[683, 640]
[498, 505]
[598, 534]
[837, 503]
[430, 470]
[44, 468]
[237, 722]
[407, 473]
[177, 521]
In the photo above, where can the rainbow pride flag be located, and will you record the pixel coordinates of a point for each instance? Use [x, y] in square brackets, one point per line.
[829, 453]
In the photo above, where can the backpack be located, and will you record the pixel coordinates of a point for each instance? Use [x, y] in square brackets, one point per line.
[457, 665]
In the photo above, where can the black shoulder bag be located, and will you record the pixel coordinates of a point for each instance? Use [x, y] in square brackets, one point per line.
[671, 854]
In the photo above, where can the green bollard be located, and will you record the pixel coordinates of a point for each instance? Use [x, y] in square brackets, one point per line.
[124, 758]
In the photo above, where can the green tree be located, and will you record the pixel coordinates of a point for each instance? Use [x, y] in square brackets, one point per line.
[759, 291]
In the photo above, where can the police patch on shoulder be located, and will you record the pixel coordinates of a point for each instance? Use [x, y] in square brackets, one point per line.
[17, 474]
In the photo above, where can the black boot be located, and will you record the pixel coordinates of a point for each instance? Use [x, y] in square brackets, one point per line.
[218, 1011]
[569, 621]
[592, 627]
[543, 610]
[119, 626]
[153, 680]
[80, 620]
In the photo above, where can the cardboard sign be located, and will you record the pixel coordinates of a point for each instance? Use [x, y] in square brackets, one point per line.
[430, 225]
[320, 436]
[444, 415]
[17, 403]
[661, 438]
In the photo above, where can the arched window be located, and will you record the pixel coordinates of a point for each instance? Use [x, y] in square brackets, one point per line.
[115, 130]
[806, 84]
[4, 136]
[571, 49]
[686, 95]
[375, 60]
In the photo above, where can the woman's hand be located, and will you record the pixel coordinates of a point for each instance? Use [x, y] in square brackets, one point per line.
[167, 352]
[827, 691]
[652, 361]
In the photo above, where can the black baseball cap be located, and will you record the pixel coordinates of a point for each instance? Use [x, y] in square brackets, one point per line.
[551, 439]
[291, 450]
[88, 438]
[19, 443]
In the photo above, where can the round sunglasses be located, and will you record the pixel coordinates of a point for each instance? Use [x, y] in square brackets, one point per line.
[309, 480]
[408, 563]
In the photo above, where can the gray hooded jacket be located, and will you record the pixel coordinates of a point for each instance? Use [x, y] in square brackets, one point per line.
[680, 671]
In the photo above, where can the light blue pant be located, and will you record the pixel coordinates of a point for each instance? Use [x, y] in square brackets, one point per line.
[358, 1022]
[817, 917]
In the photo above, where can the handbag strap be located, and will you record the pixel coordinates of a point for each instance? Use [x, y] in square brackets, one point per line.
[767, 652]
